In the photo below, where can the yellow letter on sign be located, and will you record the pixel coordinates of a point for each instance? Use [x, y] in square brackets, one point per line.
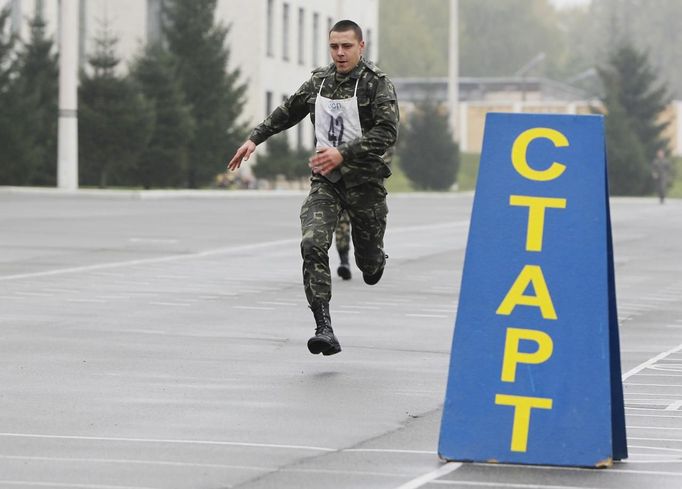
[536, 216]
[522, 407]
[529, 274]
[520, 148]
[512, 355]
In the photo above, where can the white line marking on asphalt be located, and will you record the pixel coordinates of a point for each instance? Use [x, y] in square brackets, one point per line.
[653, 415]
[167, 441]
[652, 428]
[254, 308]
[657, 448]
[201, 254]
[508, 484]
[87, 301]
[642, 374]
[137, 462]
[675, 406]
[650, 362]
[656, 385]
[390, 450]
[152, 240]
[589, 470]
[427, 315]
[169, 304]
[649, 409]
[6, 483]
[34, 294]
[431, 476]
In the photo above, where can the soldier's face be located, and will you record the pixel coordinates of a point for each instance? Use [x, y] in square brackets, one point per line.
[345, 50]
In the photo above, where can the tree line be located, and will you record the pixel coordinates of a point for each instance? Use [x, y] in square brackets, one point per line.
[615, 50]
[169, 121]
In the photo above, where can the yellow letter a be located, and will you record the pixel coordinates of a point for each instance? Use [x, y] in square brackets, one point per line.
[529, 274]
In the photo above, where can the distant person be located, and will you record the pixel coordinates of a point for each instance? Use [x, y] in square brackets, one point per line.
[342, 240]
[660, 171]
[342, 234]
[354, 109]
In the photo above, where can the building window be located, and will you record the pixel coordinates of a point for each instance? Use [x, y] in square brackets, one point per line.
[316, 39]
[268, 103]
[285, 32]
[269, 50]
[368, 44]
[301, 35]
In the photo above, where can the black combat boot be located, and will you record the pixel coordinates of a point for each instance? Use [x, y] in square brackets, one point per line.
[376, 276]
[324, 340]
[344, 267]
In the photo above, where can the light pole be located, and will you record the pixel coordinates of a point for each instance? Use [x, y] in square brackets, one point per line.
[67, 151]
[453, 70]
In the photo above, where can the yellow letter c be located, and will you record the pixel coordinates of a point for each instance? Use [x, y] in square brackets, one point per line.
[520, 147]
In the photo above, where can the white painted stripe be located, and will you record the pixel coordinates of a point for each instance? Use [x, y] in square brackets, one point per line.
[146, 261]
[508, 484]
[653, 428]
[656, 385]
[674, 406]
[431, 476]
[87, 301]
[427, 315]
[171, 304]
[7, 483]
[254, 308]
[166, 441]
[128, 461]
[202, 254]
[656, 448]
[650, 362]
[389, 450]
[629, 415]
[656, 374]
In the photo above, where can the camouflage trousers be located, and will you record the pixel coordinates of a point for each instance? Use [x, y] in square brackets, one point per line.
[342, 233]
[367, 210]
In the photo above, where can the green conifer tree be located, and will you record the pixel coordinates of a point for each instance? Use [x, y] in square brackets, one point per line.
[13, 148]
[116, 121]
[38, 87]
[428, 155]
[631, 92]
[212, 91]
[164, 162]
[280, 159]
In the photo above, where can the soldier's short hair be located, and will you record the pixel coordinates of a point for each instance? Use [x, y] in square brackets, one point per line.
[347, 25]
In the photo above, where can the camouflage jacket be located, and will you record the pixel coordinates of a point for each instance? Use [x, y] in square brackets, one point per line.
[379, 118]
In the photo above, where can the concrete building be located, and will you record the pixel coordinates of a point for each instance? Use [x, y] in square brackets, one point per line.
[478, 96]
[274, 43]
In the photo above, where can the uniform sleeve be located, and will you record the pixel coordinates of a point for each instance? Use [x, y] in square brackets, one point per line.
[384, 133]
[292, 111]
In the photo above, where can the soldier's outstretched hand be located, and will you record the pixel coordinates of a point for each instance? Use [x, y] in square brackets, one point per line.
[242, 154]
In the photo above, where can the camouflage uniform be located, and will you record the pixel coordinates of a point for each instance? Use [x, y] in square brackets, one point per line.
[342, 233]
[360, 191]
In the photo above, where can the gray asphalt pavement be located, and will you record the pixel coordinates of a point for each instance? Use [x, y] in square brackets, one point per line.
[159, 342]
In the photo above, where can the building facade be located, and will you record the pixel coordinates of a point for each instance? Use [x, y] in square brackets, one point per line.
[274, 43]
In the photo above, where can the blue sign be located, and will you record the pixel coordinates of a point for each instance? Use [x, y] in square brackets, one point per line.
[535, 369]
